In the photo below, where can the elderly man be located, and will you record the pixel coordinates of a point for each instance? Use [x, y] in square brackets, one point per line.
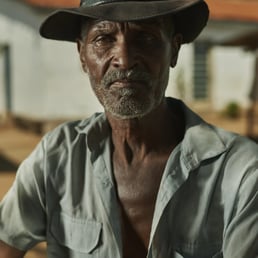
[146, 178]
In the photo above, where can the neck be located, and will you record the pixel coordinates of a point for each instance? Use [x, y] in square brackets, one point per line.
[140, 136]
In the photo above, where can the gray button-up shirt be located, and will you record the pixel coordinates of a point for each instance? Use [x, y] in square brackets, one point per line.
[64, 193]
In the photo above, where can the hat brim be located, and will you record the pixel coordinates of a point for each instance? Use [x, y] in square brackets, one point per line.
[190, 17]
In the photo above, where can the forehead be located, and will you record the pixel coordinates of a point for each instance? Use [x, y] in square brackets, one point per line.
[154, 23]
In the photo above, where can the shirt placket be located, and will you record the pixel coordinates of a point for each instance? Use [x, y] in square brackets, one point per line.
[107, 192]
[172, 180]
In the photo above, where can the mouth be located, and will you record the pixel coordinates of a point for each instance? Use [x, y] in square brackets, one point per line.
[134, 78]
[127, 83]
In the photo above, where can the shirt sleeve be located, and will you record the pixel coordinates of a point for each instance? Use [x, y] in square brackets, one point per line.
[22, 211]
[241, 235]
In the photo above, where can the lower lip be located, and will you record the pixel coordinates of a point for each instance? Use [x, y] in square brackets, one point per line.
[127, 84]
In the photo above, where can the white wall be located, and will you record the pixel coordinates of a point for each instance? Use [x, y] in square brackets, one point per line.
[231, 71]
[68, 91]
[180, 82]
[47, 81]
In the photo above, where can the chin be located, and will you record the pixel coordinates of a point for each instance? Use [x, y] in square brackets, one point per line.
[127, 116]
[130, 112]
[131, 107]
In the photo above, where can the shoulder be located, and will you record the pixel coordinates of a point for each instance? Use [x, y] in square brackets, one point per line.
[240, 148]
[239, 166]
[64, 140]
[69, 132]
[230, 152]
[240, 153]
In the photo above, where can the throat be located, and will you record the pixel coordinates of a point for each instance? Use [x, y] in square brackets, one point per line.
[128, 154]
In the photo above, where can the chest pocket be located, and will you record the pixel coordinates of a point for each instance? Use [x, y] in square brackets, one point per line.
[177, 255]
[77, 234]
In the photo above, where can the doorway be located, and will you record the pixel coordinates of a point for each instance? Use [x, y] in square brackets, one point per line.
[5, 84]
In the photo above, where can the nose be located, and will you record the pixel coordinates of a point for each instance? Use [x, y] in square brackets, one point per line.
[125, 54]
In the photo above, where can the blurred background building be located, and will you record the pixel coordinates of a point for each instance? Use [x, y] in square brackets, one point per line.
[39, 79]
[42, 80]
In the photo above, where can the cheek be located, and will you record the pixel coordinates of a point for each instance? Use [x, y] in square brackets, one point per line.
[97, 64]
[93, 67]
[160, 60]
[161, 71]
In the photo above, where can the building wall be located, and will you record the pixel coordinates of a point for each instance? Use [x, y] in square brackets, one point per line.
[181, 77]
[47, 81]
[68, 90]
[231, 75]
[2, 81]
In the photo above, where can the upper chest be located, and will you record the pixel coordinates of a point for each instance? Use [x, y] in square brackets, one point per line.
[137, 187]
[138, 183]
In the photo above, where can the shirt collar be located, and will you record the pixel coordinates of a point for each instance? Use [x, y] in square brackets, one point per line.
[96, 129]
[201, 141]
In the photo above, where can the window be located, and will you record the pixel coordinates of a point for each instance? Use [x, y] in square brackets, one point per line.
[200, 71]
[5, 79]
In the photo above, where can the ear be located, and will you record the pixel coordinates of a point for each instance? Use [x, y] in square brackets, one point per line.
[81, 51]
[175, 46]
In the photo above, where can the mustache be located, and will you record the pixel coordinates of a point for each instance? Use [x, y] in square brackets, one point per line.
[135, 74]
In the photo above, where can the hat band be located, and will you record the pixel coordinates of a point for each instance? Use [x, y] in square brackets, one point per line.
[98, 2]
[94, 2]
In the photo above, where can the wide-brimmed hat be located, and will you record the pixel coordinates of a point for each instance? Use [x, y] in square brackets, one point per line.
[190, 16]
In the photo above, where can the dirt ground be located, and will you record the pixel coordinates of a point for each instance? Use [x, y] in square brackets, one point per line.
[16, 144]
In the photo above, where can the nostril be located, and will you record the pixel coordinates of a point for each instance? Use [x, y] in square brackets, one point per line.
[125, 61]
[116, 64]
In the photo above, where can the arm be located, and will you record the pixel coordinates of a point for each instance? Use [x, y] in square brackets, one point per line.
[7, 251]
[241, 236]
[22, 211]
[240, 200]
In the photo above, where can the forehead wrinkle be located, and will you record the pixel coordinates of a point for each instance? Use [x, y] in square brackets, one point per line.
[106, 23]
[102, 25]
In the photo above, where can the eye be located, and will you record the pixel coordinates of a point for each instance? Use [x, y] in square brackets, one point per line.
[103, 40]
[147, 38]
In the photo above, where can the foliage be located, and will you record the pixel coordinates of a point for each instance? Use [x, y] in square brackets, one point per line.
[232, 110]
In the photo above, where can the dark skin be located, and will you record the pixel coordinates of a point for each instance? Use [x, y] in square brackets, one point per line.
[141, 144]
[139, 157]
[144, 137]
[7, 251]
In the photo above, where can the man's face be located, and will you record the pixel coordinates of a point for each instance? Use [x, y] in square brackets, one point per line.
[128, 64]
